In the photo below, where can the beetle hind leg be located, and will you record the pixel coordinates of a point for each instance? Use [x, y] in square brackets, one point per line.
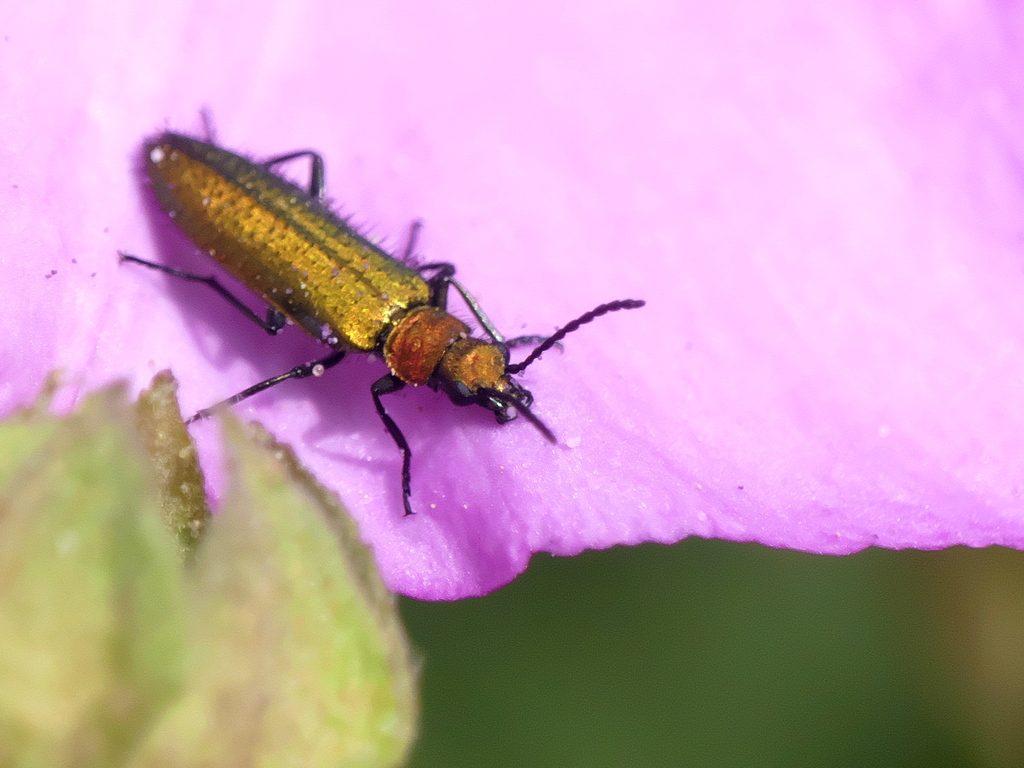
[274, 322]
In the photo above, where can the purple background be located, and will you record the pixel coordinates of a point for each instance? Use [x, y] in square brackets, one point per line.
[821, 203]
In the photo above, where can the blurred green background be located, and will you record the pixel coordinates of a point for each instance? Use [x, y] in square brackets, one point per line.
[711, 653]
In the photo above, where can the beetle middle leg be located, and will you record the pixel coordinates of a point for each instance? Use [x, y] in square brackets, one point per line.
[385, 385]
[304, 371]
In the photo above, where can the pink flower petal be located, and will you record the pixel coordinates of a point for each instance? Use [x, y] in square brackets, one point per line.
[821, 204]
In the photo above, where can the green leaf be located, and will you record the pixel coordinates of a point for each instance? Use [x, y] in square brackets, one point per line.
[91, 605]
[300, 657]
[271, 642]
[182, 495]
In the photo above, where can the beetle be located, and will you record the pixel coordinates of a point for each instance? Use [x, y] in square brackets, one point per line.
[314, 269]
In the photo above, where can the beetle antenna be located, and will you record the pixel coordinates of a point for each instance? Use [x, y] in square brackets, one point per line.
[524, 409]
[548, 343]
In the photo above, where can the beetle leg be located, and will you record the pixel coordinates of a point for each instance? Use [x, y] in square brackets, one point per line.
[304, 371]
[439, 284]
[410, 244]
[520, 341]
[274, 321]
[385, 385]
[209, 130]
[316, 174]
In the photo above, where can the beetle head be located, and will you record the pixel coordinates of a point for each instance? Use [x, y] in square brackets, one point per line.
[473, 372]
[477, 372]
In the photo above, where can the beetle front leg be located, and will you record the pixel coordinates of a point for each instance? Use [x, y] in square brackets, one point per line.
[443, 280]
[385, 386]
